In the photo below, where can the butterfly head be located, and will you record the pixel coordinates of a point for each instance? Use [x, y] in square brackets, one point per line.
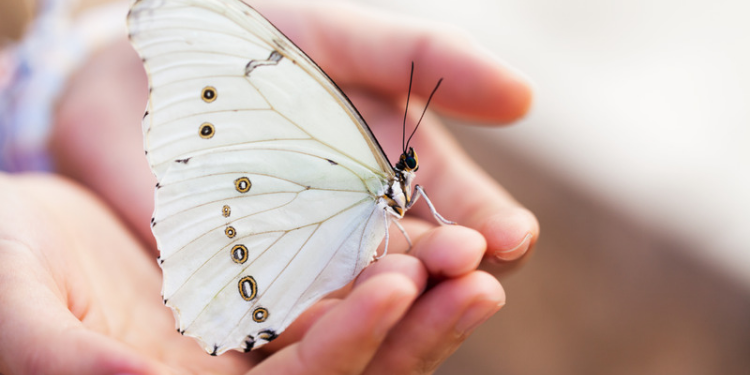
[408, 162]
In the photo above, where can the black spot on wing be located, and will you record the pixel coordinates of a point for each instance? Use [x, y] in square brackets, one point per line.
[272, 59]
[216, 348]
[249, 343]
[183, 161]
[268, 335]
[332, 162]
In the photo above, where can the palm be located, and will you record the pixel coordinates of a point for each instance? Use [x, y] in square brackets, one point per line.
[98, 289]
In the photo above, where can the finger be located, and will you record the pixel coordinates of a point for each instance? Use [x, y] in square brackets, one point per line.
[41, 336]
[408, 266]
[402, 264]
[437, 323]
[475, 199]
[345, 339]
[362, 47]
[450, 251]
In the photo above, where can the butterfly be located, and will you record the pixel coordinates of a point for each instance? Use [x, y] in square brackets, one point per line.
[272, 190]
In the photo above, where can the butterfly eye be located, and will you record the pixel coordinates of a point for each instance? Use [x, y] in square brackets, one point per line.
[409, 160]
[207, 130]
[208, 94]
[411, 163]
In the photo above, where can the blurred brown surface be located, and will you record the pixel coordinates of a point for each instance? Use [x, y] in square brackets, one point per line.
[602, 295]
[14, 15]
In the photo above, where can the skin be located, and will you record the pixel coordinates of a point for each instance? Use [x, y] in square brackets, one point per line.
[84, 298]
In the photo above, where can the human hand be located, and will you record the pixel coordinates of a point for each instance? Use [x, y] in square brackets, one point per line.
[81, 296]
[101, 146]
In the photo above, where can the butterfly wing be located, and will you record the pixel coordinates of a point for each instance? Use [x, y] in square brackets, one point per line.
[269, 179]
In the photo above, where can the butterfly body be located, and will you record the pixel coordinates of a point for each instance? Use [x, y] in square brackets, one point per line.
[272, 191]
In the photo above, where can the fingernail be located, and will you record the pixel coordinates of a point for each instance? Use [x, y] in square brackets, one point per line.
[515, 252]
[477, 314]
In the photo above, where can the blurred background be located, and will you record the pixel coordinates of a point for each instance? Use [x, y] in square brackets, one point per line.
[636, 160]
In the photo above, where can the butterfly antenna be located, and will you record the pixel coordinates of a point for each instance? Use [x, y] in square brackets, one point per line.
[423, 112]
[406, 111]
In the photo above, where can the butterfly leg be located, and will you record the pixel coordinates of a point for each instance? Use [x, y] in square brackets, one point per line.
[385, 249]
[438, 217]
[387, 236]
[406, 235]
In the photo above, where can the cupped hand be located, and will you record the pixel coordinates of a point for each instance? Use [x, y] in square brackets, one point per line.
[98, 141]
[81, 296]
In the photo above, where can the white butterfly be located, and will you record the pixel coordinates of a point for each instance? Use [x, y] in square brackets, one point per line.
[272, 191]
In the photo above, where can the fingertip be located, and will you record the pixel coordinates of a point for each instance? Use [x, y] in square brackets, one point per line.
[451, 250]
[490, 289]
[478, 85]
[510, 235]
[518, 95]
[489, 299]
[484, 88]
